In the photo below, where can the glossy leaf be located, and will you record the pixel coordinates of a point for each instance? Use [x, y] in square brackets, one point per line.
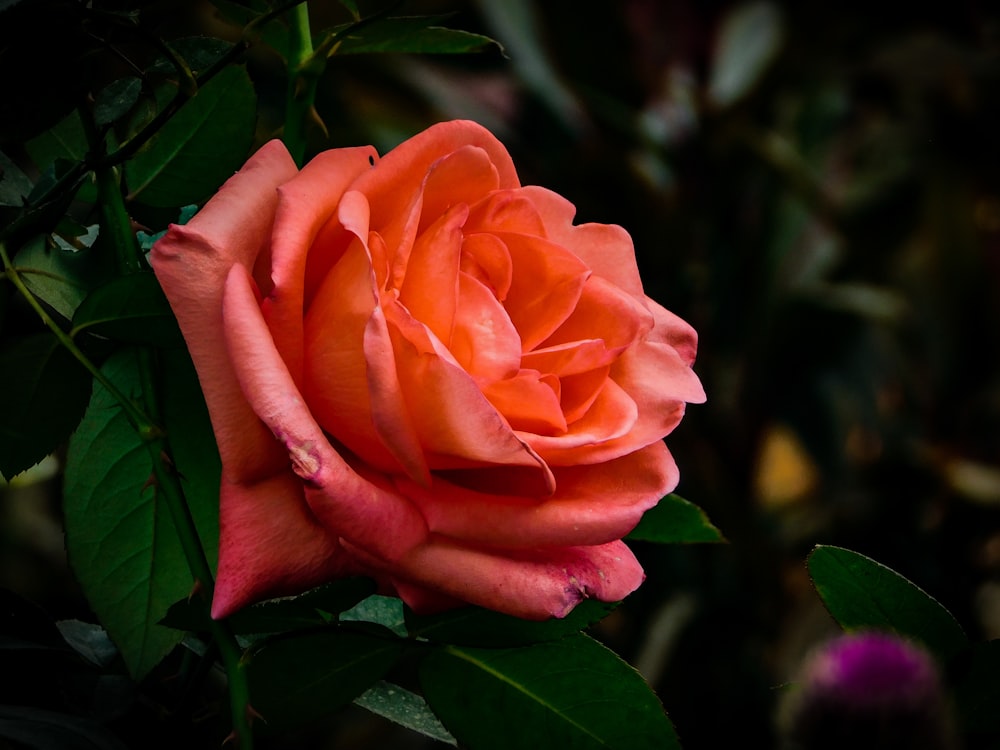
[571, 693]
[198, 52]
[192, 444]
[66, 140]
[309, 610]
[14, 183]
[474, 626]
[59, 277]
[130, 309]
[116, 99]
[300, 678]
[121, 543]
[45, 391]
[199, 147]
[386, 611]
[861, 593]
[399, 705]
[674, 520]
[412, 35]
[89, 640]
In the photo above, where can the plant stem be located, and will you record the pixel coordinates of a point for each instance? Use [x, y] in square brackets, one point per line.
[117, 227]
[136, 417]
[304, 71]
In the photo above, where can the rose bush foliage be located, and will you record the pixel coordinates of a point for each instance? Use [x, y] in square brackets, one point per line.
[421, 371]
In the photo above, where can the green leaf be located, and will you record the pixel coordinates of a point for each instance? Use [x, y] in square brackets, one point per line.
[45, 393]
[116, 99]
[408, 35]
[59, 277]
[399, 705]
[386, 611]
[861, 593]
[192, 445]
[89, 640]
[474, 626]
[199, 147]
[309, 610]
[299, 678]
[120, 540]
[66, 140]
[130, 309]
[198, 52]
[14, 184]
[572, 693]
[674, 520]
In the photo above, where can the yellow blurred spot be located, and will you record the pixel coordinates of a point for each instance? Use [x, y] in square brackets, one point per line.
[785, 472]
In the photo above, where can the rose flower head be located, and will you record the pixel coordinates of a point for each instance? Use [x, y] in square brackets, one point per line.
[420, 371]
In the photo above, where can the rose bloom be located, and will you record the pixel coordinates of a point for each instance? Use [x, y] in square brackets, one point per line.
[420, 371]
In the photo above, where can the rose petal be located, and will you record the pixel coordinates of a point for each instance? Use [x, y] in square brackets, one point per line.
[483, 340]
[463, 176]
[591, 504]
[611, 417]
[457, 426]
[271, 545]
[506, 211]
[580, 391]
[305, 204]
[534, 585]
[657, 380]
[604, 312]
[670, 329]
[529, 401]
[606, 248]
[545, 288]
[430, 288]
[394, 187]
[486, 259]
[350, 379]
[346, 503]
[191, 263]
[570, 358]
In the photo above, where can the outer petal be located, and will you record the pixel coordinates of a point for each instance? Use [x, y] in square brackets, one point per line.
[271, 545]
[606, 248]
[534, 585]
[191, 263]
[592, 504]
[345, 503]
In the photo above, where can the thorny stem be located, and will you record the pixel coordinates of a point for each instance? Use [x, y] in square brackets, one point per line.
[116, 223]
[304, 71]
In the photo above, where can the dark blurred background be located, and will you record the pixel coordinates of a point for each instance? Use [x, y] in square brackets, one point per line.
[815, 186]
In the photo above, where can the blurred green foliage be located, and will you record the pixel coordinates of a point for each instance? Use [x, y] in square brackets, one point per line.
[814, 186]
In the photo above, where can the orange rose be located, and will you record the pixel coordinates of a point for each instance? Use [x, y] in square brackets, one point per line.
[421, 371]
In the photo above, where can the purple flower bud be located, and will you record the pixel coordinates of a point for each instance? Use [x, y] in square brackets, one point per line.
[870, 690]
